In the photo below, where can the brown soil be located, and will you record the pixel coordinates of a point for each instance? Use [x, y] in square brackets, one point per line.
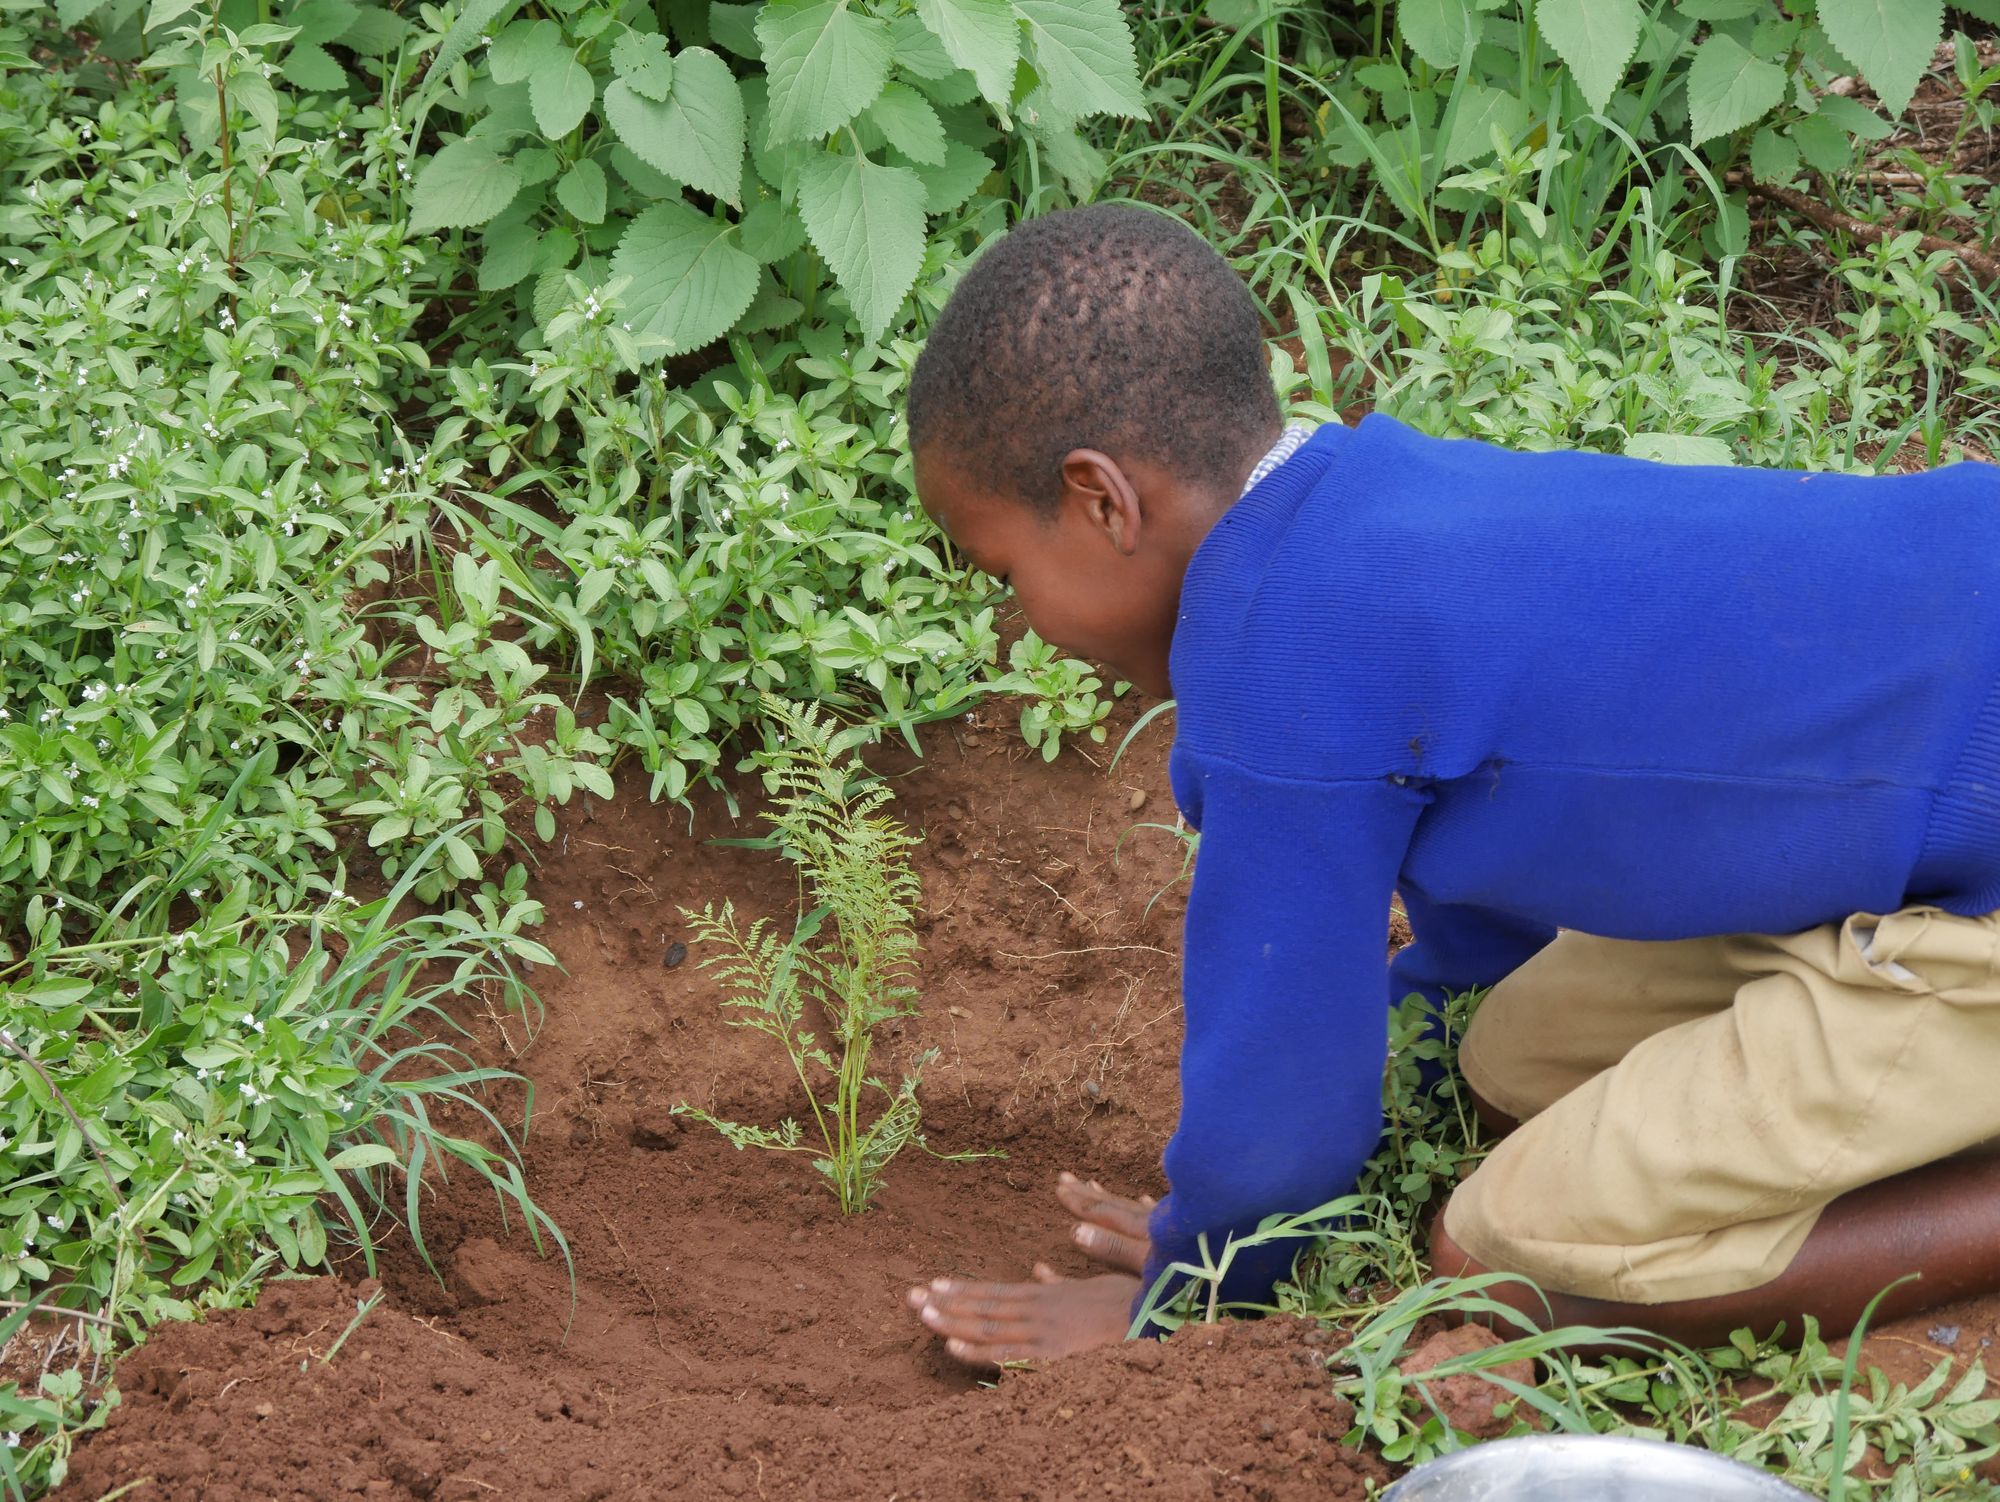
[731, 1334]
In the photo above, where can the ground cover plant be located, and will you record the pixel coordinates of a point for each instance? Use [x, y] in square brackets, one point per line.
[374, 492]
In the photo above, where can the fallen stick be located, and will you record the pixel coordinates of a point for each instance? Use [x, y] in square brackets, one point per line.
[1983, 263]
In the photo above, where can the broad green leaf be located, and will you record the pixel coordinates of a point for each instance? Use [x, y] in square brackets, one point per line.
[1826, 147]
[824, 64]
[640, 58]
[1082, 50]
[919, 53]
[648, 180]
[1854, 117]
[581, 191]
[1595, 39]
[463, 185]
[688, 21]
[697, 135]
[511, 246]
[771, 230]
[1774, 158]
[1728, 88]
[1436, 30]
[475, 21]
[1888, 41]
[321, 20]
[1480, 109]
[980, 36]
[909, 124]
[159, 13]
[521, 48]
[311, 66]
[561, 91]
[689, 283]
[867, 222]
[965, 168]
[1679, 448]
[733, 28]
[375, 33]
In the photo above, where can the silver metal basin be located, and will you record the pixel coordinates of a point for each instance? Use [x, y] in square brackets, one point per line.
[1586, 1468]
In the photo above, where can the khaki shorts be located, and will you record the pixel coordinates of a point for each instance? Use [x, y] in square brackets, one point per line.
[1689, 1107]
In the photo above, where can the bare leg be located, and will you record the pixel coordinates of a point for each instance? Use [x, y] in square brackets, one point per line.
[1941, 1221]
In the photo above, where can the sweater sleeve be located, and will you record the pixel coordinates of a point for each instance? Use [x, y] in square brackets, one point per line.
[1457, 947]
[1283, 978]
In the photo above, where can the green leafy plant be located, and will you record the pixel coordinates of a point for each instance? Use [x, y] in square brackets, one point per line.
[1063, 695]
[847, 967]
[694, 158]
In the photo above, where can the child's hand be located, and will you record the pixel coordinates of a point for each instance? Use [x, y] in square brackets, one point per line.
[987, 1324]
[1110, 1228]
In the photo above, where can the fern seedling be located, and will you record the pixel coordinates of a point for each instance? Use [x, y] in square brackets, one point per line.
[847, 967]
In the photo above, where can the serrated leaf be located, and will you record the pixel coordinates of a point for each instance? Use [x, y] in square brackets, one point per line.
[1826, 147]
[647, 180]
[464, 184]
[561, 91]
[965, 168]
[321, 20]
[980, 36]
[157, 15]
[521, 48]
[909, 124]
[375, 32]
[697, 135]
[771, 231]
[1082, 51]
[311, 66]
[920, 55]
[1436, 30]
[1595, 39]
[641, 59]
[1679, 448]
[477, 18]
[733, 28]
[1774, 158]
[824, 64]
[581, 190]
[510, 248]
[1728, 88]
[689, 283]
[1854, 117]
[1888, 41]
[867, 222]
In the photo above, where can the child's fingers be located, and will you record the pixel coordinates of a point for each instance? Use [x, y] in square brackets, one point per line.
[957, 1323]
[1116, 1249]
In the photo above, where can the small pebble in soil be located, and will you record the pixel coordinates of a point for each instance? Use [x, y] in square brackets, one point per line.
[1945, 1335]
[676, 952]
[1137, 801]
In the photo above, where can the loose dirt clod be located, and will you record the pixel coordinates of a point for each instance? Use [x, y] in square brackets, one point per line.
[1468, 1399]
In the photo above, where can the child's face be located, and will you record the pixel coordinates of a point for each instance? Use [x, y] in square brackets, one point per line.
[1100, 578]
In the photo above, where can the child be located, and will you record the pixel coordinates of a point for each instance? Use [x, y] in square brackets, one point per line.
[1737, 731]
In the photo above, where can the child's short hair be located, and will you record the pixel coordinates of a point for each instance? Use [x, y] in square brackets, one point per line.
[1110, 327]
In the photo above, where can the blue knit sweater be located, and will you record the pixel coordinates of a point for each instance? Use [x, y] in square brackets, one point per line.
[1531, 691]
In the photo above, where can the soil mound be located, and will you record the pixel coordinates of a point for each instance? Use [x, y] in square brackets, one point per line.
[247, 1406]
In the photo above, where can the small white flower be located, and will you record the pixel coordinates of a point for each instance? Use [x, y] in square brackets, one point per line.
[577, 903]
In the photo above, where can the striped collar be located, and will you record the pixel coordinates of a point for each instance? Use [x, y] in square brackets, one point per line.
[1288, 444]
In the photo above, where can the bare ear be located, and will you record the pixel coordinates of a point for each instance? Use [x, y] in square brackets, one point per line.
[1101, 494]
